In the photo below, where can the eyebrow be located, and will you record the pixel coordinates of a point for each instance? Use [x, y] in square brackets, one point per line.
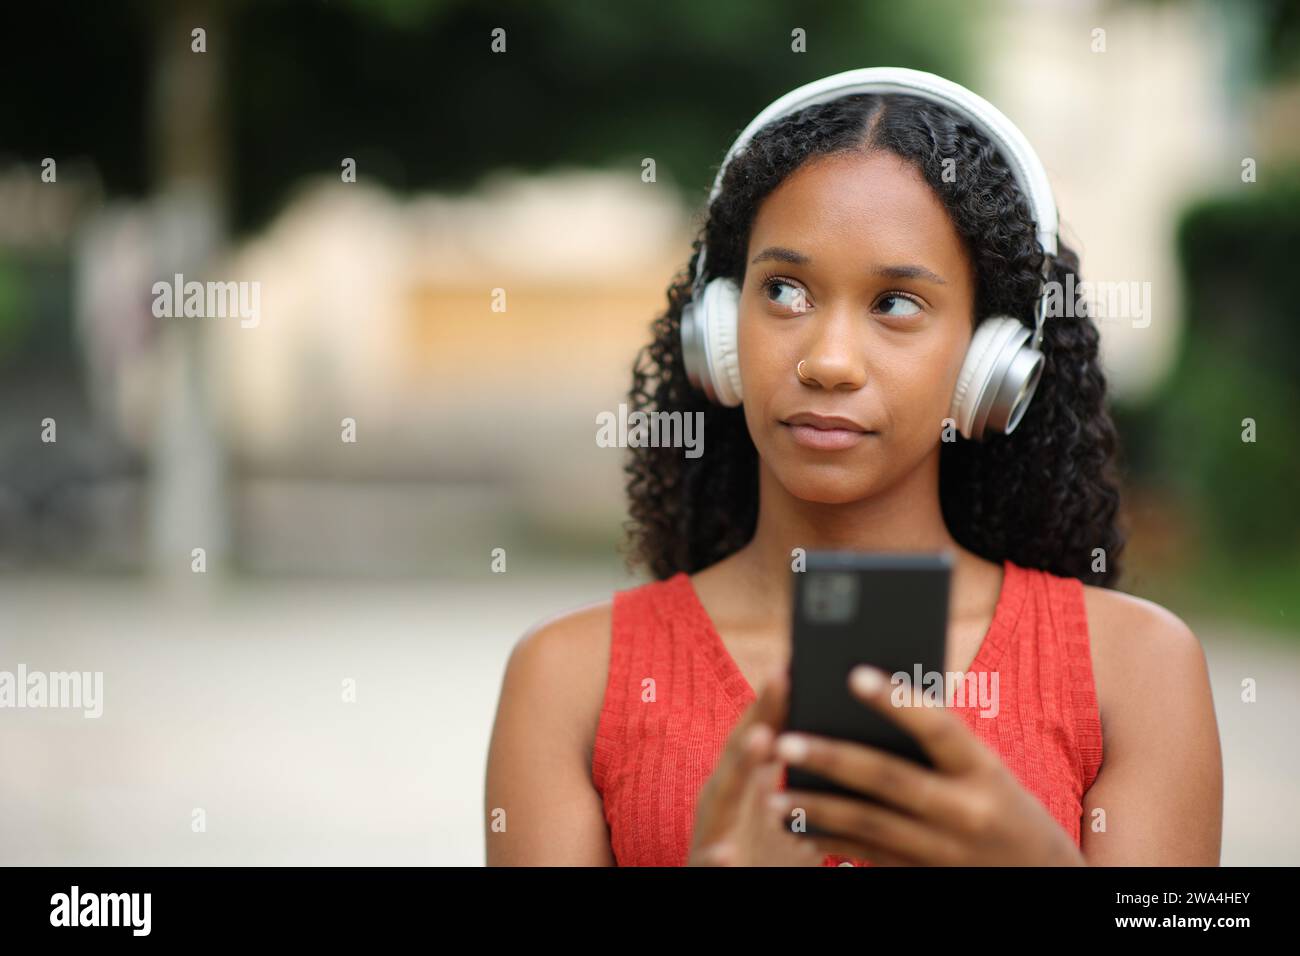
[782, 254]
[909, 272]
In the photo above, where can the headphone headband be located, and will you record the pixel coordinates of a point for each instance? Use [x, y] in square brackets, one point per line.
[1025, 165]
[1002, 368]
[1014, 147]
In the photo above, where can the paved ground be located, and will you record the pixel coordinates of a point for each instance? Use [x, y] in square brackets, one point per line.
[233, 704]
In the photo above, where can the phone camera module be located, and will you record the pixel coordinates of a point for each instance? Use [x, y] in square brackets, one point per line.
[831, 597]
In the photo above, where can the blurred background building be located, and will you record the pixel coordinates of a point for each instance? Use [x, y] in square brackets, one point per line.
[516, 177]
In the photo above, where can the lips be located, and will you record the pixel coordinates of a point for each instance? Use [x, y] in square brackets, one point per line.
[825, 432]
[825, 422]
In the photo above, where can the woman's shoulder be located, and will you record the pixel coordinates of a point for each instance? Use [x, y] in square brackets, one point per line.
[565, 658]
[1143, 654]
[1126, 624]
[566, 641]
[557, 672]
[1135, 627]
[579, 637]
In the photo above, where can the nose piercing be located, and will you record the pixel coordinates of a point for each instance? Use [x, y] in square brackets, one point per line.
[798, 370]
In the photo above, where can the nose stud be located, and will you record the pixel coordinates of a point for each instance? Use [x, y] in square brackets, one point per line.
[798, 370]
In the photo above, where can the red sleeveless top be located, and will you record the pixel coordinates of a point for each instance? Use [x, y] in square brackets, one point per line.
[651, 759]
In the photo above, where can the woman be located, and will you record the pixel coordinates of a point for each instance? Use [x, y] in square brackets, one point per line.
[866, 237]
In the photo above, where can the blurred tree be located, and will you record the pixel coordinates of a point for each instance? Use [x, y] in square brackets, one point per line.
[413, 91]
[1237, 363]
[1241, 342]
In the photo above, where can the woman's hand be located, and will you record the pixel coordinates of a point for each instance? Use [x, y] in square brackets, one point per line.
[968, 811]
[734, 825]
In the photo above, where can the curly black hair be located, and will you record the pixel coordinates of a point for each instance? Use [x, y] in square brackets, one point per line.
[1044, 496]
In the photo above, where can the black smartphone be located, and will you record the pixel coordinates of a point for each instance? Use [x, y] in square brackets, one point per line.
[883, 609]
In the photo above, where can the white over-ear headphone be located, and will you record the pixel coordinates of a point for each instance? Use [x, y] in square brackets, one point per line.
[1002, 366]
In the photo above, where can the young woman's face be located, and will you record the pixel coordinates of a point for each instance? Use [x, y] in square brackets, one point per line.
[855, 269]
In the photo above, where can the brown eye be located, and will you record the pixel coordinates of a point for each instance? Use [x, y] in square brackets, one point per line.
[900, 306]
[786, 294]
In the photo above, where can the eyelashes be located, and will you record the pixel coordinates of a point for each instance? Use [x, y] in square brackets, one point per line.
[773, 280]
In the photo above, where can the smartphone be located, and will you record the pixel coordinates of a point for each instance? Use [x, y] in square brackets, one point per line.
[884, 609]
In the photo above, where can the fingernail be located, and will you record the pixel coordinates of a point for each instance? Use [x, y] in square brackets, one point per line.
[778, 802]
[791, 748]
[867, 680]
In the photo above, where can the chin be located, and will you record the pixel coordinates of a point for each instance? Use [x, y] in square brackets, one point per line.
[828, 484]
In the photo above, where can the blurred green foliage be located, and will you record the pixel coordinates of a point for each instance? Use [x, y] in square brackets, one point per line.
[1279, 26]
[1242, 344]
[36, 325]
[1238, 361]
[413, 91]
[420, 99]
[13, 315]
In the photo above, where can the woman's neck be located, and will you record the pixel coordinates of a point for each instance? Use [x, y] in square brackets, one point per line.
[905, 517]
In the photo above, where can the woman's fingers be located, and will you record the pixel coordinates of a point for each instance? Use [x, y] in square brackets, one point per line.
[751, 836]
[750, 741]
[772, 844]
[722, 853]
[748, 745]
[727, 786]
[883, 828]
[774, 699]
[939, 731]
[900, 782]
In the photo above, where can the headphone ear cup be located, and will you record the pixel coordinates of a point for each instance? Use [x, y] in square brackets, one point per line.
[997, 379]
[722, 307]
[708, 329]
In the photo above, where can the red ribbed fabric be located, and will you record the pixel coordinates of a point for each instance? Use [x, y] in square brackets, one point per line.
[650, 759]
